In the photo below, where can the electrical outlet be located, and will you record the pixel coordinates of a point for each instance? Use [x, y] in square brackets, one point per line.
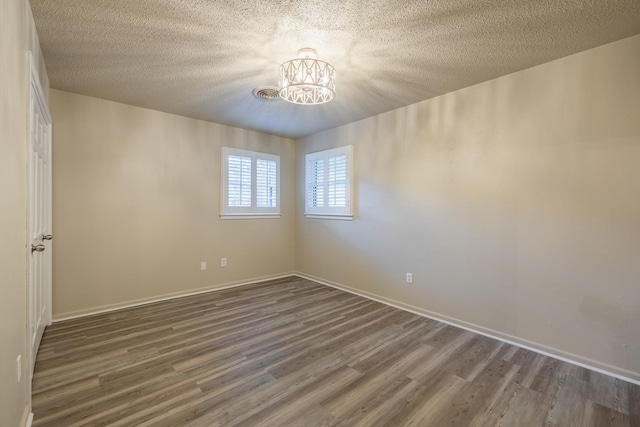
[203, 265]
[409, 277]
[223, 262]
[19, 367]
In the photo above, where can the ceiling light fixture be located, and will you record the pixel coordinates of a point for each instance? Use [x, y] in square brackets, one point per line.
[307, 80]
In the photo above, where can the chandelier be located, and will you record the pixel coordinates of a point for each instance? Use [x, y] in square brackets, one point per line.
[307, 80]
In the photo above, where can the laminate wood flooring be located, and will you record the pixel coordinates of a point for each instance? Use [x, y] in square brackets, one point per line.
[292, 352]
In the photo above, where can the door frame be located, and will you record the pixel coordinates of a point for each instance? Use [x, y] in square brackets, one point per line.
[36, 96]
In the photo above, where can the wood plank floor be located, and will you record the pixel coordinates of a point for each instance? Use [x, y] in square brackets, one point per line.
[295, 353]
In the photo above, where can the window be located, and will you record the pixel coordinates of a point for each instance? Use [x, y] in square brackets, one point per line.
[328, 183]
[250, 184]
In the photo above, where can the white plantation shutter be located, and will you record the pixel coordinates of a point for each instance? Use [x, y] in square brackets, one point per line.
[250, 183]
[266, 183]
[328, 183]
[315, 183]
[337, 181]
[239, 181]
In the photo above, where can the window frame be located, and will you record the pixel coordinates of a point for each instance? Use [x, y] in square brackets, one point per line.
[325, 211]
[252, 211]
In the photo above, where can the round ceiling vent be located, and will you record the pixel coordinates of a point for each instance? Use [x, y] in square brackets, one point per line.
[268, 93]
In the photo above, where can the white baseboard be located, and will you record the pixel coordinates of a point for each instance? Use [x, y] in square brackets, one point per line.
[29, 420]
[128, 304]
[594, 365]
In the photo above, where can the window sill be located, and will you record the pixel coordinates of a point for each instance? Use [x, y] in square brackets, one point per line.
[250, 216]
[338, 217]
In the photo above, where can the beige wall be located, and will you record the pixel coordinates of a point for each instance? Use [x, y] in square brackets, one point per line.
[137, 201]
[17, 35]
[515, 204]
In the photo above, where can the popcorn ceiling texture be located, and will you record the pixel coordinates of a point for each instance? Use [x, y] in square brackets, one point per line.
[202, 59]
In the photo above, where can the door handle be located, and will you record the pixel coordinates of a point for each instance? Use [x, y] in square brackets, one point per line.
[37, 248]
[47, 237]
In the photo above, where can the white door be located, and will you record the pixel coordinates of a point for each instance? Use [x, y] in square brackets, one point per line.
[39, 291]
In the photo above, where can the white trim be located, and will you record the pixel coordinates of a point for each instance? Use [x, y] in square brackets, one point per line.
[603, 368]
[165, 297]
[574, 359]
[310, 180]
[338, 217]
[253, 208]
[250, 216]
[29, 420]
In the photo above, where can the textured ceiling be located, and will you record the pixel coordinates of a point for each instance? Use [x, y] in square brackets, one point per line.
[203, 58]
